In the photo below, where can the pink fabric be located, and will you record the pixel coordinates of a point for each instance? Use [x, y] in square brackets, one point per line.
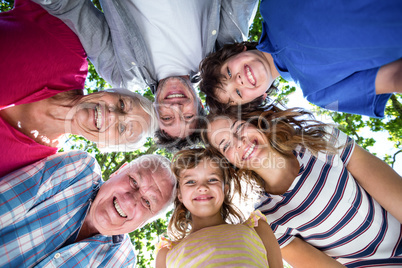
[18, 150]
[40, 57]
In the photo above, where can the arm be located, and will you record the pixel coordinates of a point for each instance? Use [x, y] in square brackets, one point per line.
[271, 244]
[339, 97]
[236, 17]
[301, 254]
[389, 78]
[378, 179]
[160, 261]
[90, 25]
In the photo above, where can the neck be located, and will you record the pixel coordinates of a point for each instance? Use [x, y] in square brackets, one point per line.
[274, 71]
[279, 174]
[36, 121]
[199, 223]
[87, 230]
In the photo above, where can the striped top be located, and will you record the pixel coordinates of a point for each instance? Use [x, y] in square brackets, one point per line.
[225, 245]
[327, 208]
[42, 207]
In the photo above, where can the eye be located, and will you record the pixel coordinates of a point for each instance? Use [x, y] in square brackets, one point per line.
[239, 127]
[122, 106]
[229, 73]
[225, 147]
[189, 182]
[213, 180]
[166, 118]
[122, 128]
[238, 93]
[133, 182]
[146, 203]
[188, 117]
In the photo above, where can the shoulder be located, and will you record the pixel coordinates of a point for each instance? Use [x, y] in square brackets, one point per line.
[255, 218]
[162, 249]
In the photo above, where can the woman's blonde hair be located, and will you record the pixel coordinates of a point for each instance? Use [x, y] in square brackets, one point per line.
[181, 221]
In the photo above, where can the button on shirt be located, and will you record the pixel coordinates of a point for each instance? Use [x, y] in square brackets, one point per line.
[42, 208]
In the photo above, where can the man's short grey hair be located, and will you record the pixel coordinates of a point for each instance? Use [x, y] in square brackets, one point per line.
[148, 107]
[159, 165]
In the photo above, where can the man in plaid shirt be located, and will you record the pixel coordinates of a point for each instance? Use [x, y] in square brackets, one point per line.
[58, 211]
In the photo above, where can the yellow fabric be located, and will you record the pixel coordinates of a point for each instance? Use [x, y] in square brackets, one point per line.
[223, 245]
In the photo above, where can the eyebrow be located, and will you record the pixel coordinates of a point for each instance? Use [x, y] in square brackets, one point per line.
[222, 141]
[231, 128]
[131, 104]
[152, 196]
[187, 176]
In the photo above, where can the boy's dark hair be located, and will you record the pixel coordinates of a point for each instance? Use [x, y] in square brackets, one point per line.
[173, 144]
[211, 77]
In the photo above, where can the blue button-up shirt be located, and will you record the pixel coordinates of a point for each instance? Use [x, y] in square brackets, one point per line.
[42, 208]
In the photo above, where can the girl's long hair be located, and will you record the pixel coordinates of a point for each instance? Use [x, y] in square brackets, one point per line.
[285, 129]
[180, 223]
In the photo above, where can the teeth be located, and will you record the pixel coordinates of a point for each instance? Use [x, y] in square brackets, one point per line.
[98, 115]
[118, 209]
[249, 151]
[250, 75]
[176, 96]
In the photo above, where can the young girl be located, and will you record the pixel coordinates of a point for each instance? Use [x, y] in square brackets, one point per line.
[202, 229]
[313, 175]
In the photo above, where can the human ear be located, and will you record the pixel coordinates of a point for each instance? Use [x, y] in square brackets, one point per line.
[179, 195]
[244, 48]
[226, 189]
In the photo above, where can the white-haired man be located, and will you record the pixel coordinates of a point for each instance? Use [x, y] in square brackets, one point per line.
[59, 212]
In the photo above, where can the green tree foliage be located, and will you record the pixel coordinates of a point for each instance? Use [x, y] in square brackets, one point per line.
[144, 239]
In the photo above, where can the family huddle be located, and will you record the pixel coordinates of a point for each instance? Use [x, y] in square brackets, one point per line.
[322, 200]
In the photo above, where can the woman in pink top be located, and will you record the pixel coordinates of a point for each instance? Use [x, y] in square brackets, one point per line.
[202, 227]
[43, 73]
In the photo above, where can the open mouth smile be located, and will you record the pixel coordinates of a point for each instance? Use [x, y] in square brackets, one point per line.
[202, 198]
[250, 150]
[249, 75]
[175, 95]
[118, 208]
[98, 117]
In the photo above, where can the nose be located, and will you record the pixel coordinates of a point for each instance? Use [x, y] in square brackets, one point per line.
[202, 188]
[239, 141]
[238, 79]
[114, 116]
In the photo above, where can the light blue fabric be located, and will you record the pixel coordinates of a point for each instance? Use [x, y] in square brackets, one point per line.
[42, 208]
[333, 49]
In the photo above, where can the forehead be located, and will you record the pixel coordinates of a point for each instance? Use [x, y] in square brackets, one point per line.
[155, 177]
[221, 124]
[222, 94]
[179, 128]
[204, 167]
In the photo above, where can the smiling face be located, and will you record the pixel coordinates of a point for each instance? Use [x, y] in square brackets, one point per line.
[177, 106]
[240, 142]
[201, 190]
[247, 77]
[108, 118]
[130, 198]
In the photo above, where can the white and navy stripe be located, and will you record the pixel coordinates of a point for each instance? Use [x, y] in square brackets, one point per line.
[327, 208]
